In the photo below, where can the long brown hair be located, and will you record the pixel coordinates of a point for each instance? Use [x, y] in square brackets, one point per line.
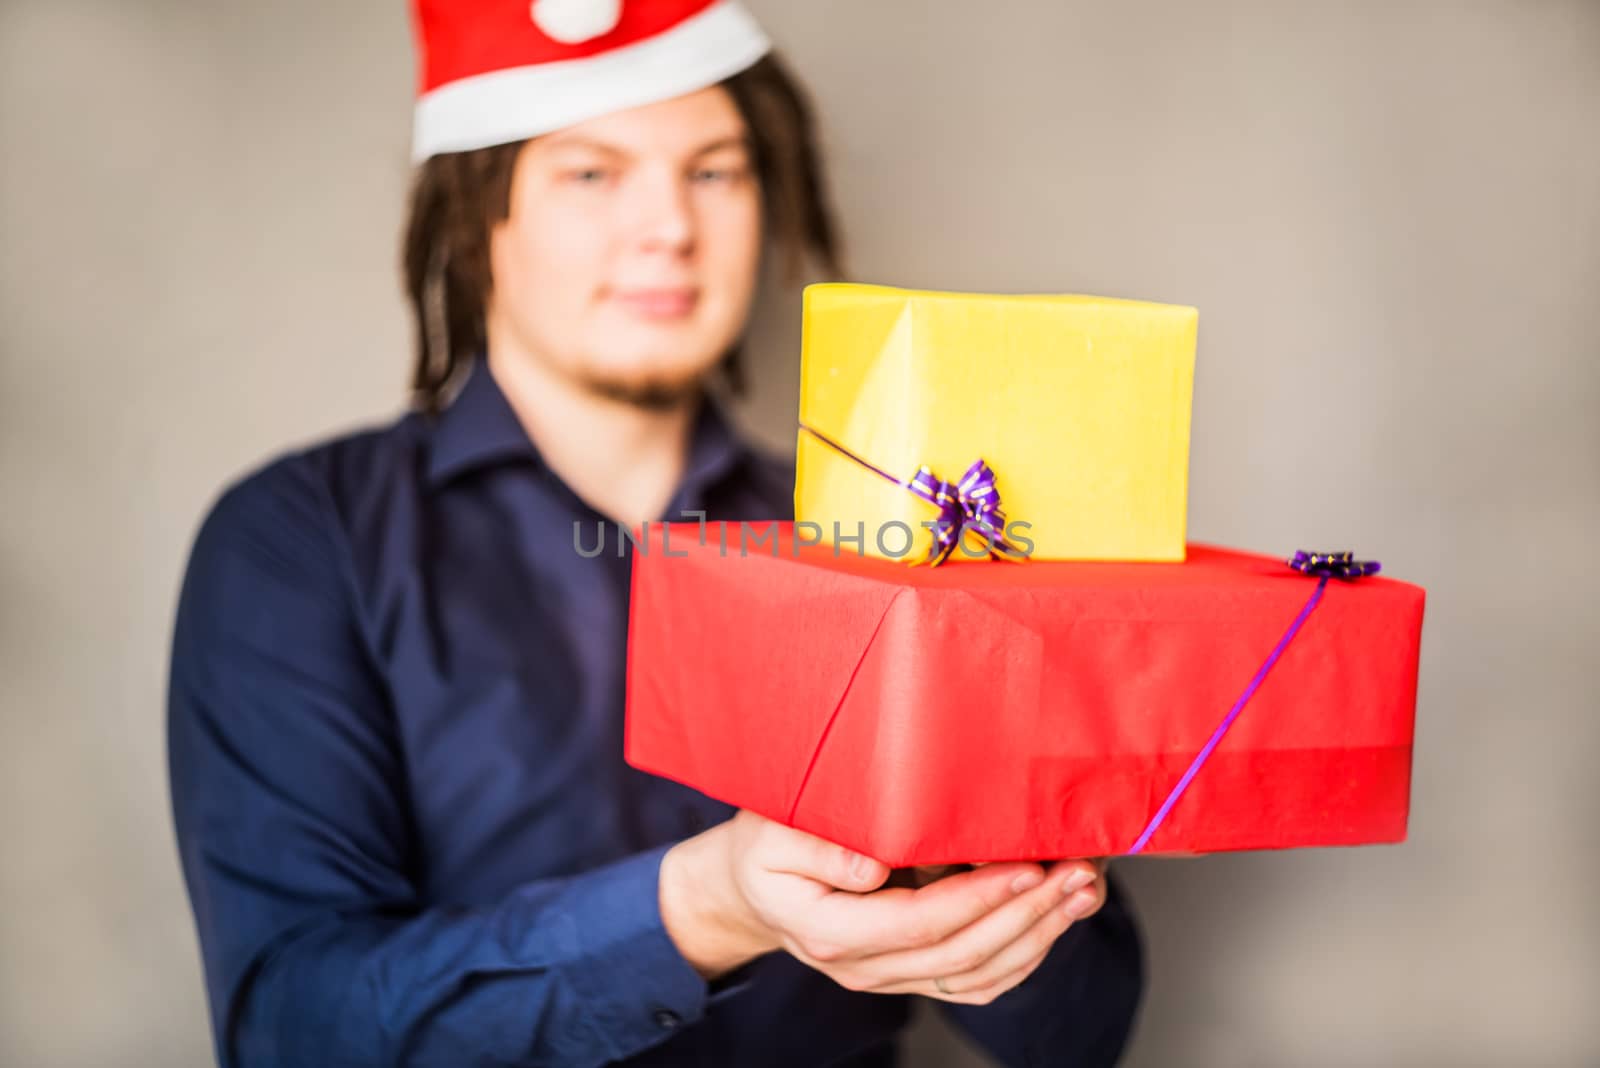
[458, 198]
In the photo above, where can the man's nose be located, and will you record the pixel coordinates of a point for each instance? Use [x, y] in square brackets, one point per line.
[664, 213]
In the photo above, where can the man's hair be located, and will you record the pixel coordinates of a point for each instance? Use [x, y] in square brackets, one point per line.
[458, 198]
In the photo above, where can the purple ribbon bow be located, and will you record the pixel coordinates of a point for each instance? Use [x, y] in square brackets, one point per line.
[971, 504]
[1321, 566]
[1334, 565]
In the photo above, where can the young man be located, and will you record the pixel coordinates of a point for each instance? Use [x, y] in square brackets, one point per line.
[397, 690]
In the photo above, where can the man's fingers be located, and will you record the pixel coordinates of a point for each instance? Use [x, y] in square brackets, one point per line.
[825, 901]
[1015, 962]
[1003, 939]
[901, 919]
[976, 996]
[1090, 899]
[1024, 953]
[985, 994]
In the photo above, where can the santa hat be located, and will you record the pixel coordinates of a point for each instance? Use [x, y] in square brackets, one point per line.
[496, 71]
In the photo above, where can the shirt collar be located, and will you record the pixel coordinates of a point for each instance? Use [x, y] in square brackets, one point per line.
[480, 428]
[477, 429]
[715, 453]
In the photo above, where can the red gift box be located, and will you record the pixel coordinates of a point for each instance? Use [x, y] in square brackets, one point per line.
[1004, 711]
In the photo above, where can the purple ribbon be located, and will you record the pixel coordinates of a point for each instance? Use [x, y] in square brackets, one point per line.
[1321, 566]
[970, 504]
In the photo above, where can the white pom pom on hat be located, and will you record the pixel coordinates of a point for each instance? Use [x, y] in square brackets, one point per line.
[571, 21]
[498, 71]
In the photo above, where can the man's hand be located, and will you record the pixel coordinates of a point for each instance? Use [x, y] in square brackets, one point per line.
[751, 886]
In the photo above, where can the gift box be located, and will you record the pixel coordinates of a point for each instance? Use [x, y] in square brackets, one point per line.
[995, 711]
[1080, 406]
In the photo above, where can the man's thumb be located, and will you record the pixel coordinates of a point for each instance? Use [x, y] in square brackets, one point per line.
[830, 863]
[862, 873]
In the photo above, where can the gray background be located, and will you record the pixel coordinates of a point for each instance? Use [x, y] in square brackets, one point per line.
[1388, 214]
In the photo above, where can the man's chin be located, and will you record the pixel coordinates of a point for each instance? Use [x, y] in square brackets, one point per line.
[651, 394]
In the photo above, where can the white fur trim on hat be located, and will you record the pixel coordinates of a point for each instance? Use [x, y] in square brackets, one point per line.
[522, 102]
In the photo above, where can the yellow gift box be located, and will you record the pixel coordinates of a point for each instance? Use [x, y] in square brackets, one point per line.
[1079, 404]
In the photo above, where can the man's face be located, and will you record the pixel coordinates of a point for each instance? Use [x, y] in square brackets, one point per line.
[629, 257]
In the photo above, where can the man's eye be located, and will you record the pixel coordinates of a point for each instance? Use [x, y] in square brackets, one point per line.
[718, 174]
[589, 175]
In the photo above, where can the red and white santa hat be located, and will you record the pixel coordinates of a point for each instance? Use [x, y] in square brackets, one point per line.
[496, 71]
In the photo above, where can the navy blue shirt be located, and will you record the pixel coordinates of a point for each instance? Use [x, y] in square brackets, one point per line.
[408, 833]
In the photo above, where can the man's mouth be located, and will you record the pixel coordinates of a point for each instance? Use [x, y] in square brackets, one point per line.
[658, 302]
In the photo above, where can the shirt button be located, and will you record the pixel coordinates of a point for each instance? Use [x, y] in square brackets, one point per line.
[668, 1020]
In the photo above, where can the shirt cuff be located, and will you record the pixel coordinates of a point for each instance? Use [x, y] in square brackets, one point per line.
[734, 983]
[640, 989]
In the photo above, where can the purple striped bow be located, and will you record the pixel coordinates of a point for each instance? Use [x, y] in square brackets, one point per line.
[971, 504]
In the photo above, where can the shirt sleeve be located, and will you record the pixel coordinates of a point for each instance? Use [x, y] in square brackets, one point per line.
[289, 801]
[1077, 1009]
